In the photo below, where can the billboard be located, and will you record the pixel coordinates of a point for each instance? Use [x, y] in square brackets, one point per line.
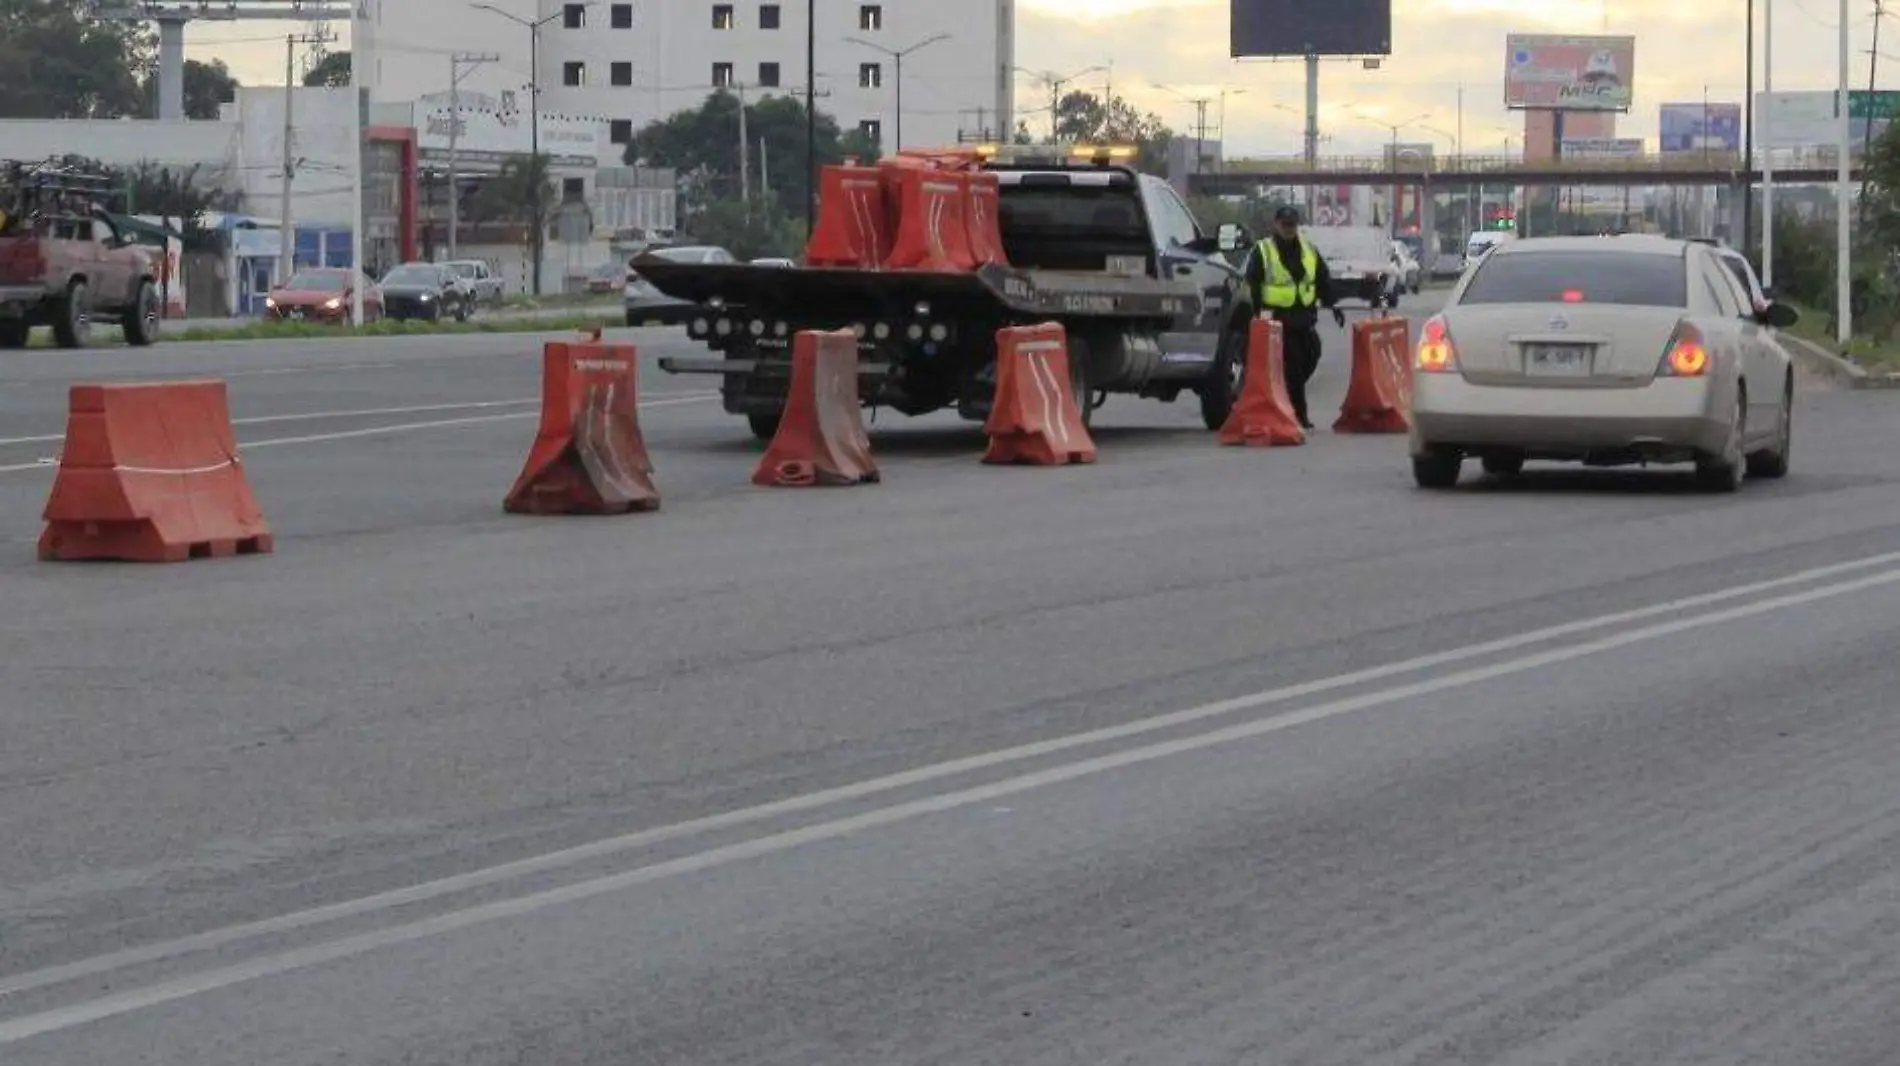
[1806, 119]
[1569, 73]
[1275, 28]
[1701, 128]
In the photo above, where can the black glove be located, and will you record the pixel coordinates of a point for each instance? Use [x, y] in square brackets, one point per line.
[1339, 318]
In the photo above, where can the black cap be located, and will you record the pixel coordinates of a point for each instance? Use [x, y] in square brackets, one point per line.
[1287, 213]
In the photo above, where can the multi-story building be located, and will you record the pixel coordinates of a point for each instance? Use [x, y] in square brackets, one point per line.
[630, 62]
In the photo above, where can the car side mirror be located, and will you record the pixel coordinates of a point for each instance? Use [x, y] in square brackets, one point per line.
[1231, 237]
[1779, 316]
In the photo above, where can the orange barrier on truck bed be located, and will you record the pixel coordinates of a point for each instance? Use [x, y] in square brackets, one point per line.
[820, 438]
[985, 211]
[932, 219]
[1035, 418]
[853, 228]
[588, 455]
[1379, 396]
[1263, 414]
[150, 473]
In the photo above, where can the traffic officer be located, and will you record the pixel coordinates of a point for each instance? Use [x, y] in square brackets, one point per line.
[1290, 282]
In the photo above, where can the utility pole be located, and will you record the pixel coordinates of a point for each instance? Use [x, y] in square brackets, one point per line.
[745, 149]
[897, 59]
[461, 65]
[537, 173]
[1844, 235]
[811, 117]
[1768, 148]
[286, 228]
[1867, 132]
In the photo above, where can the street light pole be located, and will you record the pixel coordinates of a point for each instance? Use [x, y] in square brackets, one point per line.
[897, 58]
[537, 174]
[811, 117]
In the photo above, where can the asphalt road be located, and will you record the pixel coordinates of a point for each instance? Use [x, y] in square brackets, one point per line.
[1192, 756]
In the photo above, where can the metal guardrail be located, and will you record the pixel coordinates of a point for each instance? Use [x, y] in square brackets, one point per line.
[1673, 163]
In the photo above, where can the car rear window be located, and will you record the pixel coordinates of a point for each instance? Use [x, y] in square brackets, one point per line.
[1638, 279]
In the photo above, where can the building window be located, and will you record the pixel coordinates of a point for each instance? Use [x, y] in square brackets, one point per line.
[574, 16]
[573, 73]
[573, 189]
[622, 17]
[723, 17]
[768, 76]
[768, 17]
[871, 16]
[722, 75]
[872, 130]
[620, 73]
[620, 131]
[870, 76]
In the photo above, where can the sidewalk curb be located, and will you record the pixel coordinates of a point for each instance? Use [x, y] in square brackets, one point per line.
[1846, 371]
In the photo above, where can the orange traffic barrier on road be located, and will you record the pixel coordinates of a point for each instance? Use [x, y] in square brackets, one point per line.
[588, 456]
[1035, 417]
[932, 208]
[821, 438]
[1379, 397]
[986, 226]
[1263, 413]
[853, 228]
[150, 473]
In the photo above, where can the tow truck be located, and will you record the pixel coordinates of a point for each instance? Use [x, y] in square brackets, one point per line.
[1152, 303]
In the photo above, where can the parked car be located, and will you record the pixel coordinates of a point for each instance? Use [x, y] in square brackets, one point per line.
[606, 277]
[429, 291]
[483, 283]
[322, 294]
[649, 306]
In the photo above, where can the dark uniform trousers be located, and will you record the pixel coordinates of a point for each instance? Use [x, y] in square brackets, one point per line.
[1299, 337]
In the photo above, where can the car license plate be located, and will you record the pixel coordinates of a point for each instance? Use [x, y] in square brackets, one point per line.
[1557, 360]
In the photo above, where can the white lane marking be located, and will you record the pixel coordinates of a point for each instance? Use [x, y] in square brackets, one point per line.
[317, 954]
[379, 431]
[318, 416]
[612, 846]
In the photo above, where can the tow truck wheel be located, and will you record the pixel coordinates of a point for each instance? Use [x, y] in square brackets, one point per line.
[13, 333]
[1079, 379]
[72, 317]
[1221, 390]
[764, 426]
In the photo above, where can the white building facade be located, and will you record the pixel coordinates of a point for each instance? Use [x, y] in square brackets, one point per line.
[631, 62]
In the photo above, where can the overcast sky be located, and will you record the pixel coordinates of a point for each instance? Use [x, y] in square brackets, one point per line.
[1682, 47]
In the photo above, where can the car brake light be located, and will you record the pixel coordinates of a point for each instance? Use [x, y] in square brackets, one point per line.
[1687, 356]
[1573, 296]
[1435, 353]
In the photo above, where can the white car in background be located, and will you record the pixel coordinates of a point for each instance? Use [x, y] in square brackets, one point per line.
[483, 284]
[1606, 352]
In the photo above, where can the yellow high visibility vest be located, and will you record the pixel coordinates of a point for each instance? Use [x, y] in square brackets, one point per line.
[1280, 291]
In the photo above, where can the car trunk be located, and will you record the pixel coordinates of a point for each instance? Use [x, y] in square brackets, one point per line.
[1579, 345]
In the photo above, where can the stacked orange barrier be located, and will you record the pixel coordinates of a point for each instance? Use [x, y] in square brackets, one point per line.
[588, 456]
[1263, 413]
[150, 473]
[933, 229]
[820, 438]
[985, 217]
[853, 228]
[1035, 418]
[1379, 397]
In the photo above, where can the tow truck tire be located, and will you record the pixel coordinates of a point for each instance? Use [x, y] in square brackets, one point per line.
[1221, 390]
[764, 426]
[140, 324]
[14, 332]
[72, 317]
[1079, 379]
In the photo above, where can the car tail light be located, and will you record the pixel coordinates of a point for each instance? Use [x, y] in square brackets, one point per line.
[1435, 352]
[1687, 357]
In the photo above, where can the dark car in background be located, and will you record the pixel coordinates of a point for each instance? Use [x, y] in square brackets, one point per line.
[648, 306]
[430, 291]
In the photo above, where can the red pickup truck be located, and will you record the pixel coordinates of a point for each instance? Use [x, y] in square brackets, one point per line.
[67, 271]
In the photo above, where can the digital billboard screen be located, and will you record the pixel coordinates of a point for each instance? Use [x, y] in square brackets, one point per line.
[1279, 28]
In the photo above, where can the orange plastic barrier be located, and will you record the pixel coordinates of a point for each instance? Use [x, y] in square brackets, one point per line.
[1379, 397]
[932, 227]
[853, 227]
[589, 456]
[1035, 418]
[150, 473]
[821, 438]
[1263, 414]
[985, 211]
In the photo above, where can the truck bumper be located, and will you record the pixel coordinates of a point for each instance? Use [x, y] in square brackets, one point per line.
[14, 297]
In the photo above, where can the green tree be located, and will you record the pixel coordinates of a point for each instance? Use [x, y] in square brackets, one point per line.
[56, 62]
[509, 195]
[749, 231]
[207, 85]
[330, 72]
[702, 144]
[1082, 116]
[186, 194]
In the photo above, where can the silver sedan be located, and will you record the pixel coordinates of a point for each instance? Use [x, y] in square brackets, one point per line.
[1605, 352]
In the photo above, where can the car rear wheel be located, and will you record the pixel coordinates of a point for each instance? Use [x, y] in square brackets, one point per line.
[1503, 465]
[1773, 463]
[1438, 468]
[1723, 471]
